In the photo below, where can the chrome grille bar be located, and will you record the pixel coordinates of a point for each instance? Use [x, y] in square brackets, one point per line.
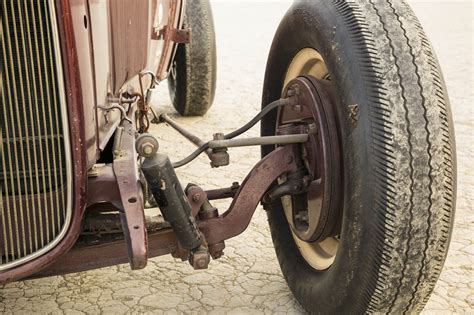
[35, 157]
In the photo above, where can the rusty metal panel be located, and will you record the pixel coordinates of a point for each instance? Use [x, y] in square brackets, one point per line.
[130, 34]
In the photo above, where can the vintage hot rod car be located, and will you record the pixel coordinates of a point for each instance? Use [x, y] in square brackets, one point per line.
[358, 168]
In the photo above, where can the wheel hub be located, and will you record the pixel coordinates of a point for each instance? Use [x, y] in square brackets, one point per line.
[316, 214]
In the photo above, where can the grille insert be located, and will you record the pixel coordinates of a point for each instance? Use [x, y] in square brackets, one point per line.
[34, 159]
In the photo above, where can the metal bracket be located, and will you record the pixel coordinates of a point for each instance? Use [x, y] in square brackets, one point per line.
[235, 220]
[196, 197]
[296, 183]
[179, 36]
[133, 217]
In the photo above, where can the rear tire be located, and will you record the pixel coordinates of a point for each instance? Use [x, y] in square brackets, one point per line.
[399, 169]
[192, 81]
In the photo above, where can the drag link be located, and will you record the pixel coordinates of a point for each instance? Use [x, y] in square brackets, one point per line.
[267, 109]
[268, 140]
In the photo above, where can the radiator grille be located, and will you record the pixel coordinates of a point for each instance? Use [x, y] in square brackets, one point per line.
[33, 159]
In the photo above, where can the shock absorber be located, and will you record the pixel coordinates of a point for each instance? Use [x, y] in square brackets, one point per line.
[168, 193]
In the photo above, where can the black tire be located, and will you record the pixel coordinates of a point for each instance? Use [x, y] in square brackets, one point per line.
[398, 150]
[192, 81]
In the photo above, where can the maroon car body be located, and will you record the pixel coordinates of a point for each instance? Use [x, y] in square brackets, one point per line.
[99, 49]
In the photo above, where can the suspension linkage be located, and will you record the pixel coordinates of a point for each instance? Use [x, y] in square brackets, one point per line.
[216, 149]
[267, 140]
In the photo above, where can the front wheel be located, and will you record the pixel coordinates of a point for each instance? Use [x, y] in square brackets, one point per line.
[372, 232]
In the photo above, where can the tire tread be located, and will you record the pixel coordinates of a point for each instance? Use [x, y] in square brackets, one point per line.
[410, 158]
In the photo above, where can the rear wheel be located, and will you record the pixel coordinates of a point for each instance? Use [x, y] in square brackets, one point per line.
[373, 233]
[192, 79]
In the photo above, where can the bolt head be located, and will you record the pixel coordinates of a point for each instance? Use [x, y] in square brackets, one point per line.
[196, 197]
[297, 108]
[147, 148]
[146, 145]
[294, 90]
[200, 259]
[217, 250]
[201, 263]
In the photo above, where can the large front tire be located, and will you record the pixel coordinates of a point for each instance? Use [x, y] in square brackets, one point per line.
[397, 143]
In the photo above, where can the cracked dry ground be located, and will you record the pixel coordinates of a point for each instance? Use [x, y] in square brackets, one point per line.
[247, 279]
